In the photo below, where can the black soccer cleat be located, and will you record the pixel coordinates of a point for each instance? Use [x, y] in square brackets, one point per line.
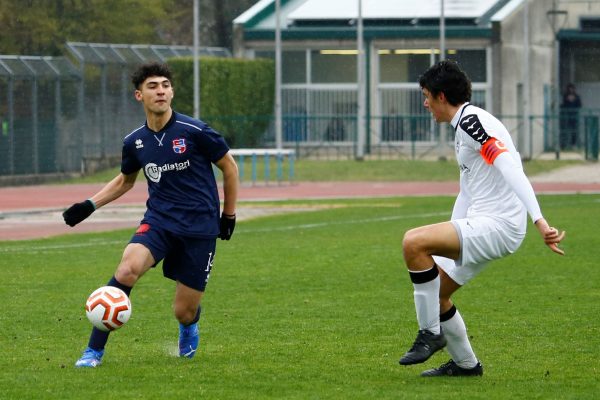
[451, 369]
[425, 345]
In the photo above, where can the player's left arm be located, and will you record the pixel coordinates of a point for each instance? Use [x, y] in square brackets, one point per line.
[513, 174]
[229, 168]
[462, 202]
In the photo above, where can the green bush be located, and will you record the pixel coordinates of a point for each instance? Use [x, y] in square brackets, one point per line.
[236, 95]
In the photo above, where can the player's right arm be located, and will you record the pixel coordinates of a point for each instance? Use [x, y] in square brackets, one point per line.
[552, 236]
[114, 189]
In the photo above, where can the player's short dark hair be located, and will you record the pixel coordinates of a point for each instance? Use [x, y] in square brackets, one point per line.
[147, 70]
[447, 77]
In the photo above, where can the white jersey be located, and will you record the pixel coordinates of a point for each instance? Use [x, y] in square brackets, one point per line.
[480, 138]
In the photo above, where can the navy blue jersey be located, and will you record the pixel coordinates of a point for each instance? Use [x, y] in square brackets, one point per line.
[177, 161]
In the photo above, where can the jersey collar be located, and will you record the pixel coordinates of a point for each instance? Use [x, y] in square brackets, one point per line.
[170, 122]
[458, 116]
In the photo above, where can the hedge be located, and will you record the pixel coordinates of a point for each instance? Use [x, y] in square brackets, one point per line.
[236, 95]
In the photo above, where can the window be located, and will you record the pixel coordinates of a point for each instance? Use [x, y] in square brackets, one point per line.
[333, 66]
[473, 62]
[586, 65]
[293, 64]
[293, 67]
[394, 67]
[406, 65]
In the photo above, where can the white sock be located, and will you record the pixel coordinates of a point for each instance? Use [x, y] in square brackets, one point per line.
[458, 344]
[427, 302]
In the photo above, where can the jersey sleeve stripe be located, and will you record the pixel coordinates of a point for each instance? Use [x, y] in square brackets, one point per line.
[193, 126]
[473, 127]
[134, 131]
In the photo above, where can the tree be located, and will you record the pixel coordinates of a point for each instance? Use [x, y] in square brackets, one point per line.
[41, 27]
[216, 21]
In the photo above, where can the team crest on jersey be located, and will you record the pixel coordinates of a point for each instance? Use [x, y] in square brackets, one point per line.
[179, 146]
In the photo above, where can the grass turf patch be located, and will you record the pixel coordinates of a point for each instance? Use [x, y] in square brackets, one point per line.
[350, 170]
[308, 305]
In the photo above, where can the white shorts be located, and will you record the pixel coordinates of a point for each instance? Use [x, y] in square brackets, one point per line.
[482, 239]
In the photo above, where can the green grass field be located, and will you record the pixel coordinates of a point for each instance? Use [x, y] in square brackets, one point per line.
[313, 305]
[350, 170]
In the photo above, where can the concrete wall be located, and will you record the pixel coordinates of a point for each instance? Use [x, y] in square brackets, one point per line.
[523, 73]
[512, 62]
[510, 59]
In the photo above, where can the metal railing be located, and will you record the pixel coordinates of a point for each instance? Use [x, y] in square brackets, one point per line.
[260, 162]
[43, 150]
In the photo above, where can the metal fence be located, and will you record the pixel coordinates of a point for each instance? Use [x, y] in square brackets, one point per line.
[36, 105]
[107, 108]
[70, 114]
[406, 136]
[59, 116]
[319, 120]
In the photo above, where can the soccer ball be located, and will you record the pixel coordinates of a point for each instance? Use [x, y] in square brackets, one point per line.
[108, 308]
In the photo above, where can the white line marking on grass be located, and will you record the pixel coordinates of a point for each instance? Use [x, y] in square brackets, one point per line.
[347, 222]
[60, 247]
[34, 248]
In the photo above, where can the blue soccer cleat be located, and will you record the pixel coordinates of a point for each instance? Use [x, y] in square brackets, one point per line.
[90, 359]
[189, 337]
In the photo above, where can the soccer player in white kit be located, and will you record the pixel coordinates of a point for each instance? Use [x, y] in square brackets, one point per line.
[489, 221]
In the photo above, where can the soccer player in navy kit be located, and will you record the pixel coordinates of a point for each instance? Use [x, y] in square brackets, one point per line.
[182, 221]
[488, 221]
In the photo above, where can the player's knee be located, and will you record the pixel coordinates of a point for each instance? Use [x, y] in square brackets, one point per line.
[411, 243]
[126, 276]
[128, 272]
[445, 303]
[185, 313]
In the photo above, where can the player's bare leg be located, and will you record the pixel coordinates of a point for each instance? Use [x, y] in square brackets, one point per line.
[136, 260]
[419, 245]
[187, 311]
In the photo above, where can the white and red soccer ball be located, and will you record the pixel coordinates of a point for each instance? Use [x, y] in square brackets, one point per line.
[108, 308]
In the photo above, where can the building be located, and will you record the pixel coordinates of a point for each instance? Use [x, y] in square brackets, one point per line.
[517, 53]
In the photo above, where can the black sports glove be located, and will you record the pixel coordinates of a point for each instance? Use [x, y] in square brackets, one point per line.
[227, 226]
[78, 212]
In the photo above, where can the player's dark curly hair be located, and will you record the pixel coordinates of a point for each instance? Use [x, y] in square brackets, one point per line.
[447, 77]
[145, 71]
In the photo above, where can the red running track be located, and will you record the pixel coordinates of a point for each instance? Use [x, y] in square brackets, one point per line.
[34, 211]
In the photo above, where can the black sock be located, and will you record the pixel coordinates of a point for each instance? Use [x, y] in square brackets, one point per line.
[448, 314]
[99, 338]
[196, 318]
[114, 282]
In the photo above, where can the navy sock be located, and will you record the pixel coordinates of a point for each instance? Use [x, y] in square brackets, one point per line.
[99, 338]
[196, 318]
[114, 282]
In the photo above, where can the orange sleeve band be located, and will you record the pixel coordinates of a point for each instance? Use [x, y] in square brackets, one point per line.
[492, 149]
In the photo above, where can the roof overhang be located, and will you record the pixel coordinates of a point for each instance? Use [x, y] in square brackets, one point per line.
[382, 19]
[578, 35]
[370, 33]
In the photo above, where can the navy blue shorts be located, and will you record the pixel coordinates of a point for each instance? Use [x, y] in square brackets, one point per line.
[187, 260]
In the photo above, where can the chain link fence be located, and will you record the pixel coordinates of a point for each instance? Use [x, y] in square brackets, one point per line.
[61, 115]
[35, 111]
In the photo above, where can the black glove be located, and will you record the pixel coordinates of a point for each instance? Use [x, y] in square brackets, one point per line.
[78, 212]
[227, 226]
